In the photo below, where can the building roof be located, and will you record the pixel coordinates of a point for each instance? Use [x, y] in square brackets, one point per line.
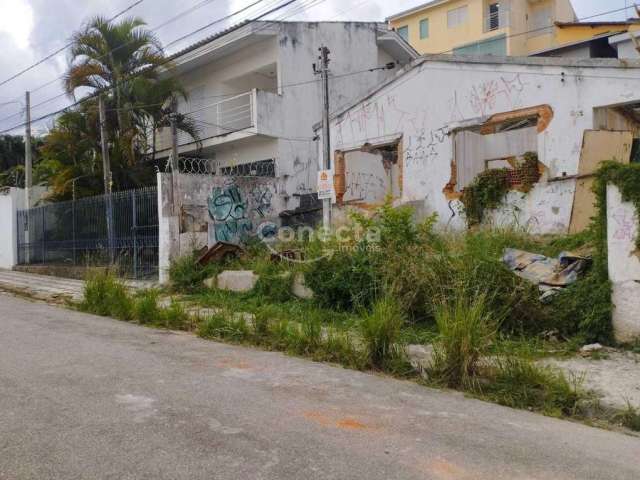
[577, 43]
[419, 8]
[632, 21]
[493, 60]
[249, 27]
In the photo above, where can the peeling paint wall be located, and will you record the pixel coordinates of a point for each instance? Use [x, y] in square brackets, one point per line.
[213, 208]
[427, 103]
[624, 265]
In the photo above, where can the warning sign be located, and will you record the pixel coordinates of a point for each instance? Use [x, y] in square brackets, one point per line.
[325, 185]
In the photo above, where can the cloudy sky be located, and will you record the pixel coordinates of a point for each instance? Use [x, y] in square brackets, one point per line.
[33, 29]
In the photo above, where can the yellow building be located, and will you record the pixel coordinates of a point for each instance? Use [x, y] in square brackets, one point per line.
[499, 27]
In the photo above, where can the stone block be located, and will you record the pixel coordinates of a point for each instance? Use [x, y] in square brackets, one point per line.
[300, 289]
[237, 280]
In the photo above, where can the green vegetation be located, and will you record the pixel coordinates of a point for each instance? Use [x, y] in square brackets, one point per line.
[629, 418]
[485, 192]
[518, 383]
[405, 283]
[466, 332]
[380, 330]
[105, 295]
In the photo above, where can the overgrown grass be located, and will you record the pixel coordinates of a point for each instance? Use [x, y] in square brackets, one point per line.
[629, 418]
[145, 308]
[380, 330]
[519, 383]
[105, 295]
[466, 332]
[186, 275]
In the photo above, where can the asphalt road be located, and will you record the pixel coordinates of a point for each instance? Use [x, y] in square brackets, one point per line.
[84, 397]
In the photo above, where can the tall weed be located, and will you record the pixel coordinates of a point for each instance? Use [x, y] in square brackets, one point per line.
[466, 332]
[380, 330]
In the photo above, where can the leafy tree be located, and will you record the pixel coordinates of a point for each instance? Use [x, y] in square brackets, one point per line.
[119, 61]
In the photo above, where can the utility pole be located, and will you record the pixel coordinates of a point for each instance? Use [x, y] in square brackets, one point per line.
[106, 164]
[175, 161]
[323, 71]
[28, 164]
[106, 175]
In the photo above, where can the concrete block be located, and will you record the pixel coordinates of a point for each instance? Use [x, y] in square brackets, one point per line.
[237, 280]
[211, 282]
[300, 289]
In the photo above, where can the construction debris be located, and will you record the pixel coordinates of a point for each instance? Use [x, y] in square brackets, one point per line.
[549, 274]
[219, 252]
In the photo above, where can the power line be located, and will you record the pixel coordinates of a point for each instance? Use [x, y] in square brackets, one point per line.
[180, 15]
[62, 49]
[167, 60]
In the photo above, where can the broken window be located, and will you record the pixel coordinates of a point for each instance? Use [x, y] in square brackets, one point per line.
[505, 141]
[368, 175]
[625, 117]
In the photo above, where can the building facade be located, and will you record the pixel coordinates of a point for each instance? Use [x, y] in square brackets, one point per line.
[254, 97]
[498, 27]
[425, 136]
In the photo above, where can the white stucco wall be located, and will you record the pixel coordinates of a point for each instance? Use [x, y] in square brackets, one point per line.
[624, 265]
[285, 117]
[10, 202]
[423, 105]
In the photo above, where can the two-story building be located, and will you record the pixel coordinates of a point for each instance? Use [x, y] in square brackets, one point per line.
[253, 94]
[498, 27]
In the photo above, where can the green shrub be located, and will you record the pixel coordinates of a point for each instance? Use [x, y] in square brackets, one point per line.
[105, 295]
[186, 275]
[380, 330]
[339, 348]
[485, 192]
[175, 317]
[145, 309]
[345, 280]
[518, 383]
[274, 287]
[465, 334]
[584, 309]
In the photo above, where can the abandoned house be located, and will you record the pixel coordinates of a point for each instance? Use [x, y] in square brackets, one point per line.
[426, 134]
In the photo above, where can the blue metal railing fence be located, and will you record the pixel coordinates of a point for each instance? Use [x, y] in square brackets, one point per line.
[120, 229]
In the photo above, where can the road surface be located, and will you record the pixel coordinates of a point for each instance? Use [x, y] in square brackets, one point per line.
[84, 397]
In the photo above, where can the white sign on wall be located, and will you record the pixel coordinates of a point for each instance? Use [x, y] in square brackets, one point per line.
[326, 188]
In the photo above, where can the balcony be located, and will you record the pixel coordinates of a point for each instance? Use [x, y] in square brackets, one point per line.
[496, 20]
[255, 112]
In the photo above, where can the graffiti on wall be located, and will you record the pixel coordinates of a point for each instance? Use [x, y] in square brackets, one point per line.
[485, 96]
[239, 212]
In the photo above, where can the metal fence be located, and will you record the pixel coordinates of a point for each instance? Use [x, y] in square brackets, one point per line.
[120, 229]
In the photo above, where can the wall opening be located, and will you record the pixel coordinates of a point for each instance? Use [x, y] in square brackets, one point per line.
[368, 175]
[626, 118]
[504, 141]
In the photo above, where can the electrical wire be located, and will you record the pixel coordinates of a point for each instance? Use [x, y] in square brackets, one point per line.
[547, 27]
[95, 94]
[62, 49]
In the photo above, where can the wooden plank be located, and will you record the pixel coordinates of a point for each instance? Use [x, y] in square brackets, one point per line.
[597, 146]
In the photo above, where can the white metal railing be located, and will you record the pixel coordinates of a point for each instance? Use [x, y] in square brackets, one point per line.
[496, 20]
[224, 117]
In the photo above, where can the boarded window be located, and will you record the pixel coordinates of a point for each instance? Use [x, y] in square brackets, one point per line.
[475, 152]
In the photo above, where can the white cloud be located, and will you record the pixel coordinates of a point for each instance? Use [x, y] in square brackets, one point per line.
[17, 21]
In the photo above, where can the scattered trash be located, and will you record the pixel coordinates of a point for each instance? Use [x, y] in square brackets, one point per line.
[587, 350]
[549, 274]
[219, 252]
[293, 255]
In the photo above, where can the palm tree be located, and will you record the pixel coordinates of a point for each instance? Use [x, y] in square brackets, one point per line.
[105, 56]
[122, 60]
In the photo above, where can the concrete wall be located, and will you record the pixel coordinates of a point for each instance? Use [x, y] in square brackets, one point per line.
[210, 209]
[624, 265]
[426, 104]
[11, 201]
